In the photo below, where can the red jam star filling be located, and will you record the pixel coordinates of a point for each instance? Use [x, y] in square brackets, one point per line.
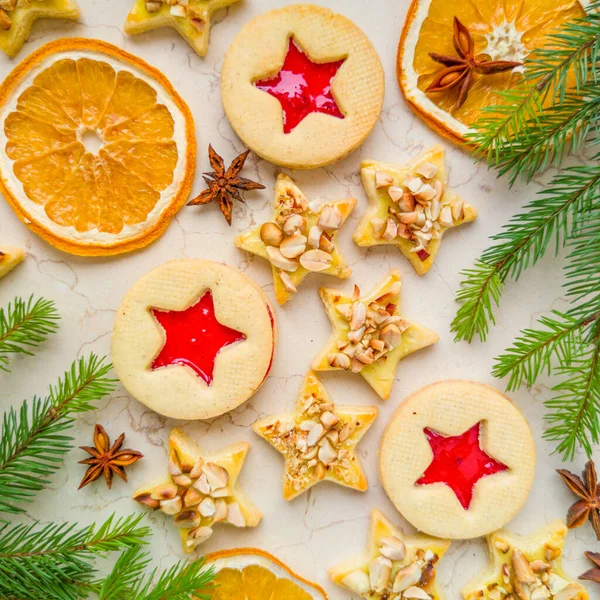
[459, 462]
[302, 87]
[194, 337]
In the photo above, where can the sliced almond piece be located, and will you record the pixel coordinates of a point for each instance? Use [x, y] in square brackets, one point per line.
[174, 463]
[221, 510]
[147, 500]
[390, 231]
[556, 583]
[435, 209]
[407, 203]
[330, 218]
[572, 591]
[187, 519]
[178, 10]
[329, 419]
[164, 491]
[380, 572]
[287, 282]
[540, 566]
[426, 191]
[392, 547]
[293, 246]
[541, 592]
[235, 515]
[438, 186]
[280, 261]
[383, 179]
[315, 434]
[391, 335]
[458, 212]
[365, 356]
[326, 453]
[314, 236]
[396, 193]
[196, 470]
[408, 218]
[172, 506]
[345, 310]
[294, 223]
[182, 480]
[339, 360]
[427, 170]
[359, 314]
[216, 475]
[356, 366]
[445, 219]
[200, 534]
[315, 260]
[326, 244]
[413, 184]
[357, 582]
[207, 507]
[406, 577]
[416, 593]
[192, 497]
[201, 484]
[271, 234]
[523, 570]
[356, 336]
[378, 225]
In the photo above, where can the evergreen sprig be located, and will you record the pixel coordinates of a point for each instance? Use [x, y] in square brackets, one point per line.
[555, 112]
[24, 325]
[33, 439]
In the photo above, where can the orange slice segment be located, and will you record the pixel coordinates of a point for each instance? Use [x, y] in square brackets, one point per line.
[118, 193]
[251, 574]
[501, 30]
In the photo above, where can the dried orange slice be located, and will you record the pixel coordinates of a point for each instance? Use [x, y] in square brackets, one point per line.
[507, 30]
[252, 574]
[98, 151]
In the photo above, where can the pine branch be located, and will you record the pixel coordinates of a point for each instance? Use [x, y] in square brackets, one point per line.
[32, 438]
[55, 561]
[555, 215]
[24, 325]
[558, 72]
[128, 569]
[177, 583]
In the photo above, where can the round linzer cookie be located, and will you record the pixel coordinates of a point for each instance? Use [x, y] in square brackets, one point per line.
[194, 339]
[302, 86]
[457, 459]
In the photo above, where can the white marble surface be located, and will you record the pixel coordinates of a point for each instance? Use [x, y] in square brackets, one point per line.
[330, 523]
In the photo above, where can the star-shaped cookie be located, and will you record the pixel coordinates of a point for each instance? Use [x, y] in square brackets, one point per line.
[10, 257]
[394, 565]
[319, 440]
[410, 207]
[18, 16]
[369, 335]
[191, 18]
[200, 490]
[300, 239]
[526, 567]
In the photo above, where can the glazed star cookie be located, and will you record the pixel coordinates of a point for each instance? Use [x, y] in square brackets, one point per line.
[526, 568]
[18, 16]
[193, 339]
[318, 441]
[394, 565]
[410, 207]
[369, 335]
[191, 18]
[10, 257]
[457, 459]
[200, 490]
[300, 238]
[302, 86]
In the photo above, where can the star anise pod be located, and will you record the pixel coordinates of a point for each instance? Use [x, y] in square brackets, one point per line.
[594, 573]
[588, 490]
[459, 69]
[223, 185]
[107, 460]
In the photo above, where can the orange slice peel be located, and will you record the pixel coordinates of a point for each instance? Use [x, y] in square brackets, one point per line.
[111, 196]
[253, 574]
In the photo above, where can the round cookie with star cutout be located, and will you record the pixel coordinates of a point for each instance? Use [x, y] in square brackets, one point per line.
[457, 459]
[194, 339]
[302, 86]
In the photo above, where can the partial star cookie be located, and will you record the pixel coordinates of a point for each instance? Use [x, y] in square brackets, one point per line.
[369, 335]
[18, 16]
[200, 490]
[526, 567]
[299, 240]
[192, 19]
[394, 565]
[410, 207]
[319, 440]
[10, 257]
